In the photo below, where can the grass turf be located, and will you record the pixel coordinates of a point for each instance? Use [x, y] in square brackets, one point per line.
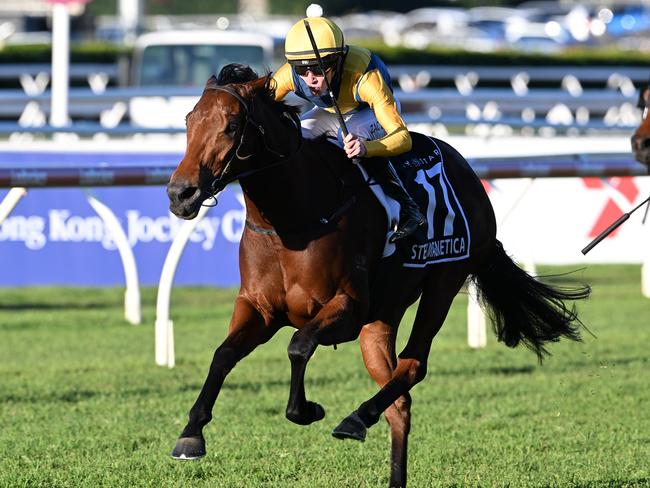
[82, 404]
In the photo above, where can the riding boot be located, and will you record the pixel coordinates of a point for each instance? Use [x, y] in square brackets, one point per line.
[410, 217]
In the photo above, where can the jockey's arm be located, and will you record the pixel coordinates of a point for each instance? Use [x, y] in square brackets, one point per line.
[373, 90]
[283, 82]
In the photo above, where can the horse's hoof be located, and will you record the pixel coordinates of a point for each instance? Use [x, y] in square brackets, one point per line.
[189, 448]
[352, 427]
[314, 413]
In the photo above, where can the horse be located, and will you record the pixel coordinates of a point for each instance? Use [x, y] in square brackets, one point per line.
[311, 257]
[641, 137]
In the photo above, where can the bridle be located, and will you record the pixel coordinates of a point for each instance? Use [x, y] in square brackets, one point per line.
[220, 182]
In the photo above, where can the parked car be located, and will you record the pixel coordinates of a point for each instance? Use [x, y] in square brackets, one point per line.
[628, 20]
[186, 59]
[425, 26]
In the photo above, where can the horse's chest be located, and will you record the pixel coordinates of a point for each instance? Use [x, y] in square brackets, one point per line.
[305, 298]
[311, 278]
[307, 291]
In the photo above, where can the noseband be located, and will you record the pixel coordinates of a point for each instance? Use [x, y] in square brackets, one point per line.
[220, 182]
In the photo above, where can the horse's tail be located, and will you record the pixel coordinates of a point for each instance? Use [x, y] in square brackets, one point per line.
[524, 309]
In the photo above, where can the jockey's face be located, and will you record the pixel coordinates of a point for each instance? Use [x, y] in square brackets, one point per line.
[316, 82]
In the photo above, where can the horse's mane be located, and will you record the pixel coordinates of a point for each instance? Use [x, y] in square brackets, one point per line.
[236, 73]
[241, 74]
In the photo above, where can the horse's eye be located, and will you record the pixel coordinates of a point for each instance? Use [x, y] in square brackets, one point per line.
[232, 127]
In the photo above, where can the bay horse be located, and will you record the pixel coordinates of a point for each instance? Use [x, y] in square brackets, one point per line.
[311, 258]
[641, 137]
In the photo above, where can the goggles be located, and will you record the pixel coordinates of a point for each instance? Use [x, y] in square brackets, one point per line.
[301, 67]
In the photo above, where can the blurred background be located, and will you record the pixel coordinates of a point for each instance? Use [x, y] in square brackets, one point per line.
[93, 96]
[540, 26]
[592, 55]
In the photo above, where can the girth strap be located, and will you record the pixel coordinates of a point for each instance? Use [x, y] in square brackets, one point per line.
[322, 222]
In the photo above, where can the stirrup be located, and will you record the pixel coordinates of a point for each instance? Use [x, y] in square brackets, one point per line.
[409, 226]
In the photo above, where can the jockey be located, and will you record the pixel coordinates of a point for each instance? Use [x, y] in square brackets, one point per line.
[361, 84]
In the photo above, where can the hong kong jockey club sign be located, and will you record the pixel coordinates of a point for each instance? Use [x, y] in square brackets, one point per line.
[53, 236]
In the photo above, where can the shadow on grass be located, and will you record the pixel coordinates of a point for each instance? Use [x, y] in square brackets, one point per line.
[78, 396]
[255, 386]
[511, 370]
[247, 386]
[502, 371]
[570, 365]
[58, 397]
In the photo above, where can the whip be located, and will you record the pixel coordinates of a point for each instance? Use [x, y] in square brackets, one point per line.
[615, 225]
[344, 127]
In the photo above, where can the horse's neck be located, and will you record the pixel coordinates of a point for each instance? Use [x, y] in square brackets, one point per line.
[298, 193]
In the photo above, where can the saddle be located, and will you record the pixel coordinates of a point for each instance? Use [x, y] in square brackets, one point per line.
[445, 237]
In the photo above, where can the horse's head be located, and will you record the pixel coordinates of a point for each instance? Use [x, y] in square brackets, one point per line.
[641, 138]
[235, 129]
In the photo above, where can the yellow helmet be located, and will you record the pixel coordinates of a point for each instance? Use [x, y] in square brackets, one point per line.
[328, 37]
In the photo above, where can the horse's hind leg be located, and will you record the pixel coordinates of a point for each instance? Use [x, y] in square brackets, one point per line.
[440, 288]
[378, 350]
[247, 330]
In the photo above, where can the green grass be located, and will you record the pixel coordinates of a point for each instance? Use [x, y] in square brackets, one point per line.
[82, 404]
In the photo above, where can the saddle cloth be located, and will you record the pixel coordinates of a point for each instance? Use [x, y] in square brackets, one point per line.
[445, 237]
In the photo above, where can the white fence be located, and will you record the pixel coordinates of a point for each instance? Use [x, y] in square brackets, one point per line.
[590, 109]
[573, 98]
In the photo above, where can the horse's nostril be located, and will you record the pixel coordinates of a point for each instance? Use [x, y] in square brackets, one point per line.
[180, 193]
[187, 193]
[645, 143]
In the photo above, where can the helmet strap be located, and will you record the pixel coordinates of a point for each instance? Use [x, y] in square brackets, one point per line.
[338, 72]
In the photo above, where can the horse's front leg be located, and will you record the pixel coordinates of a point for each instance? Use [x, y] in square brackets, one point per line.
[335, 323]
[247, 330]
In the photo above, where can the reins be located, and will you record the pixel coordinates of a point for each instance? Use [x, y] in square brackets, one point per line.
[220, 182]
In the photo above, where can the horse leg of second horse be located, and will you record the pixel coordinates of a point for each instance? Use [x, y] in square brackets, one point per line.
[247, 330]
[334, 324]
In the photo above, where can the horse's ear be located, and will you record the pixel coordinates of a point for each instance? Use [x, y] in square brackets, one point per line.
[270, 85]
[211, 83]
[254, 87]
[259, 84]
